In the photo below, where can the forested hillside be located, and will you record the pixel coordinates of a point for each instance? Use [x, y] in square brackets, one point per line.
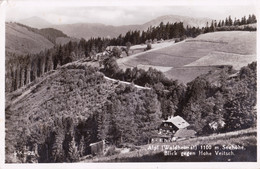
[76, 104]
[59, 116]
[221, 95]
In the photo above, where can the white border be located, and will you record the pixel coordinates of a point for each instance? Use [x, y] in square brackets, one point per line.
[42, 3]
[2, 80]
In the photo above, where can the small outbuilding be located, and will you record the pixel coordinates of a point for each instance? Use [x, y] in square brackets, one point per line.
[97, 148]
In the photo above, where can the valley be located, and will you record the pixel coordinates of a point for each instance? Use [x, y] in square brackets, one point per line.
[88, 30]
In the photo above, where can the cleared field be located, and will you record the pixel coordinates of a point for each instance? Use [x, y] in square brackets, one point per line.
[187, 74]
[222, 58]
[161, 68]
[238, 42]
[237, 48]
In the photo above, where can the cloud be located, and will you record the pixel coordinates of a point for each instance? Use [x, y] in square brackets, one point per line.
[119, 15]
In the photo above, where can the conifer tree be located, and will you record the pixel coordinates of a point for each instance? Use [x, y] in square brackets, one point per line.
[211, 29]
[82, 146]
[73, 153]
[57, 151]
[253, 18]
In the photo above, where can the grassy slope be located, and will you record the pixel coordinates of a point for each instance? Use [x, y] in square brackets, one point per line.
[222, 58]
[22, 41]
[187, 59]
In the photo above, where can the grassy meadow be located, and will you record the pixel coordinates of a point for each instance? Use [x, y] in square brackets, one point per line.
[186, 60]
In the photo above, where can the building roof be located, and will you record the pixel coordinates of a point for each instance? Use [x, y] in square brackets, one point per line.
[178, 122]
[100, 142]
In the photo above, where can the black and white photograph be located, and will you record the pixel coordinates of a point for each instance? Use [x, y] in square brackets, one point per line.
[92, 82]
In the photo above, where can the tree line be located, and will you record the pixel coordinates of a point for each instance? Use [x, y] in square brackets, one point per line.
[162, 31]
[228, 24]
[237, 22]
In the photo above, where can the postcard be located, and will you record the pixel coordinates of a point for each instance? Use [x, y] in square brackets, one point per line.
[135, 83]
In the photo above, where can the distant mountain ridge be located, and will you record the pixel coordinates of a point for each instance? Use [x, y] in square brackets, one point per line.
[88, 30]
[190, 21]
[36, 22]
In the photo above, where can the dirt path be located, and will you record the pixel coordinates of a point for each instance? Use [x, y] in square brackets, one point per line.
[128, 83]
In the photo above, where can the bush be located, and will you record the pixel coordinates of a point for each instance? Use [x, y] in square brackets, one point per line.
[132, 148]
[183, 38]
[149, 46]
[126, 145]
[116, 52]
[111, 151]
[177, 40]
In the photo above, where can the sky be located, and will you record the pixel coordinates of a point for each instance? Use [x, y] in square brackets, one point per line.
[121, 13]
